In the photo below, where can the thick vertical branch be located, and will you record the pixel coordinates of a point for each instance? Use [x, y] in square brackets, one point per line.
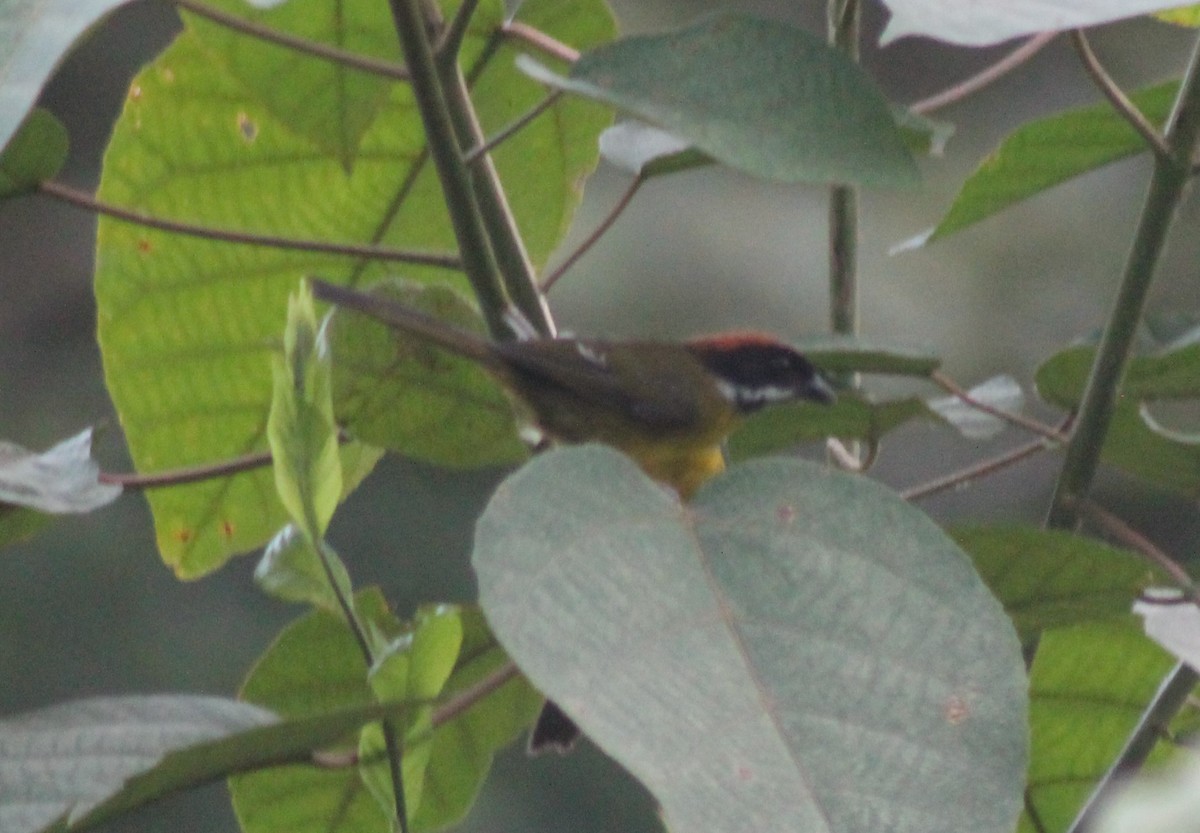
[479, 261]
[844, 25]
[1167, 184]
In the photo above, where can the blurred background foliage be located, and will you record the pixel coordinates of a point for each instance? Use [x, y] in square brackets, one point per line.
[87, 608]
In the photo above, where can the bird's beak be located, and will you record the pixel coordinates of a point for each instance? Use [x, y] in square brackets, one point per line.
[818, 389]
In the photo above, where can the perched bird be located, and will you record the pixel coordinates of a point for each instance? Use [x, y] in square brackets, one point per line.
[668, 405]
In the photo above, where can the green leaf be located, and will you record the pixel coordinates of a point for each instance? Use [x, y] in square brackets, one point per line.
[769, 656]
[290, 569]
[852, 417]
[301, 430]
[1049, 578]
[187, 325]
[1187, 16]
[1172, 372]
[1088, 686]
[414, 666]
[35, 35]
[315, 668]
[18, 524]
[69, 759]
[463, 748]
[61, 480]
[34, 154]
[398, 392]
[1047, 152]
[327, 103]
[1134, 442]
[757, 95]
[837, 354]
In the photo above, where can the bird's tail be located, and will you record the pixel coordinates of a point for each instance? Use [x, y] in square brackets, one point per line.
[398, 316]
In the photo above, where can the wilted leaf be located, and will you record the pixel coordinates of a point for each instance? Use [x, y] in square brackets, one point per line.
[62, 479]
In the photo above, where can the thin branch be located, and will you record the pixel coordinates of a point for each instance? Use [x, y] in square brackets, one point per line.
[474, 154]
[1116, 96]
[954, 389]
[594, 237]
[354, 60]
[468, 697]
[982, 79]
[451, 41]
[190, 474]
[540, 40]
[981, 469]
[365, 251]
[1112, 525]
[1171, 696]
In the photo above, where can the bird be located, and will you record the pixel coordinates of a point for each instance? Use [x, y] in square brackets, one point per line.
[669, 405]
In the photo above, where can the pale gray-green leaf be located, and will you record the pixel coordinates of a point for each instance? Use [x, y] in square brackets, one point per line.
[35, 35]
[64, 760]
[796, 649]
[757, 95]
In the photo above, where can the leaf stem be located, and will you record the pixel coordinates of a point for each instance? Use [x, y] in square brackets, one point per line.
[1130, 537]
[190, 474]
[365, 251]
[1032, 425]
[989, 75]
[479, 259]
[354, 60]
[982, 468]
[1116, 96]
[540, 40]
[1171, 696]
[475, 153]
[596, 234]
[1167, 186]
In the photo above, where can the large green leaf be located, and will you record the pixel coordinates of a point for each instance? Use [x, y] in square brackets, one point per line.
[326, 102]
[1088, 686]
[1047, 152]
[187, 326]
[758, 95]
[35, 35]
[795, 649]
[1050, 578]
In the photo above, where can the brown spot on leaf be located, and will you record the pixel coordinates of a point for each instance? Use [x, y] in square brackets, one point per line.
[183, 535]
[144, 246]
[955, 710]
[227, 528]
[135, 92]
